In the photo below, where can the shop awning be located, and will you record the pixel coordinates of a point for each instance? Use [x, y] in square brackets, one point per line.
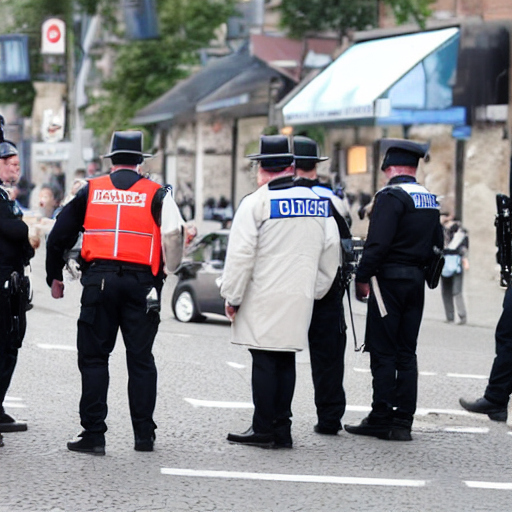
[382, 79]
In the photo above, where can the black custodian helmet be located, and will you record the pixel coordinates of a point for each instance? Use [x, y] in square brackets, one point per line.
[7, 148]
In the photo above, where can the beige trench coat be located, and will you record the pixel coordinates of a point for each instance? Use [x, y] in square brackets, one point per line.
[274, 270]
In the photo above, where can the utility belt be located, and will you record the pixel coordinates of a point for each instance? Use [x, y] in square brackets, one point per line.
[402, 272]
[118, 266]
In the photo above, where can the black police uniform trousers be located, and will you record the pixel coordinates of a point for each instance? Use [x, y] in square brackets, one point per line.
[9, 343]
[113, 298]
[499, 387]
[327, 342]
[391, 341]
[273, 384]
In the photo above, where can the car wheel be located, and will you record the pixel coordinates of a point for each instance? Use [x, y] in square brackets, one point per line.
[184, 306]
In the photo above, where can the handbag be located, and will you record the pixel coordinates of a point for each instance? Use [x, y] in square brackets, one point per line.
[452, 265]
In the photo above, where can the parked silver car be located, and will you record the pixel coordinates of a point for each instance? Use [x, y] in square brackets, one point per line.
[198, 287]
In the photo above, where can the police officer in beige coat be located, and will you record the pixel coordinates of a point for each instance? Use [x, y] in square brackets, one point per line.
[283, 253]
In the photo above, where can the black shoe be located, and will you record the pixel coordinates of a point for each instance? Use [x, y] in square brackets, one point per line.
[93, 444]
[400, 434]
[283, 440]
[251, 438]
[9, 424]
[483, 406]
[144, 444]
[365, 428]
[328, 431]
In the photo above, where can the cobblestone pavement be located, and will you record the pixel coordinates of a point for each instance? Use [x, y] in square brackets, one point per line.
[204, 393]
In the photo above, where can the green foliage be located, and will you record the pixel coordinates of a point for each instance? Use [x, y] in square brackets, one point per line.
[404, 10]
[144, 70]
[303, 17]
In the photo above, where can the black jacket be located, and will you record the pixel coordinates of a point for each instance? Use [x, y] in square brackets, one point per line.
[400, 232]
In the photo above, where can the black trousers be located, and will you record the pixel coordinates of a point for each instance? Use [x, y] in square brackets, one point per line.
[499, 387]
[9, 344]
[327, 342]
[391, 341]
[273, 384]
[113, 300]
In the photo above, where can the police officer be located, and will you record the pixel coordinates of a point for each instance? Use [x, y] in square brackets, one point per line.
[494, 401]
[15, 254]
[270, 280]
[327, 331]
[124, 218]
[404, 228]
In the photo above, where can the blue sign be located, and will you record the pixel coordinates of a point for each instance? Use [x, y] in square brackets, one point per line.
[14, 61]
[461, 132]
[141, 19]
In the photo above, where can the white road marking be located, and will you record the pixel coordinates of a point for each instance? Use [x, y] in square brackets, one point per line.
[56, 347]
[489, 485]
[236, 365]
[358, 408]
[467, 376]
[294, 478]
[13, 403]
[467, 430]
[221, 405]
[354, 408]
[454, 412]
[432, 374]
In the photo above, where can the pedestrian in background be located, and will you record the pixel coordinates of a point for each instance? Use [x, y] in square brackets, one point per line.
[124, 218]
[50, 197]
[327, 332]
[283, 253]
[404, 228]
[15, 254]
[456, 245]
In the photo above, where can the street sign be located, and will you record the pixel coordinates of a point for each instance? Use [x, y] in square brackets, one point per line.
[53, 37]
[14, 62]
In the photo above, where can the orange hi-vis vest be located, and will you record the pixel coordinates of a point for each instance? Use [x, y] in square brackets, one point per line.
[119, 225]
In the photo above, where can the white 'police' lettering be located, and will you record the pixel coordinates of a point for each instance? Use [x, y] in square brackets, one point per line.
[119, 197]
[294, 207]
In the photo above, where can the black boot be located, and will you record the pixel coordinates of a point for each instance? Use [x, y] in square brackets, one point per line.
[144, 444]
[369, 427]
[401, 427]
[9, 424]
[283, 435]
[90, 442]
[251, 438]
[145, 437]
[326, 430]
[483, 406]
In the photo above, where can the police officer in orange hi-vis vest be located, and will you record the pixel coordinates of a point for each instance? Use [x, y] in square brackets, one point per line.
[132, 236]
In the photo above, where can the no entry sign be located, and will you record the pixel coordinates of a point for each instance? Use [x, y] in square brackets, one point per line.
[53, 37]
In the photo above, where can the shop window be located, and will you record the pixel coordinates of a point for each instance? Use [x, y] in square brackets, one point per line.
[357, 160]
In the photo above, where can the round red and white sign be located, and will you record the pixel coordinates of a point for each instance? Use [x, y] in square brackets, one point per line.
[53, 36]
[53, 33]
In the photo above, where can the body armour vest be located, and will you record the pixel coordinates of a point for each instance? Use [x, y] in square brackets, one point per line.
[119, 225]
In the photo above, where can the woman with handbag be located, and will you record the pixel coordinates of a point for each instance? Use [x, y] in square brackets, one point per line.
[456, 244]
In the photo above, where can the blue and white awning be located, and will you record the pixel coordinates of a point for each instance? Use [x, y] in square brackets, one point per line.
[390, 80]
